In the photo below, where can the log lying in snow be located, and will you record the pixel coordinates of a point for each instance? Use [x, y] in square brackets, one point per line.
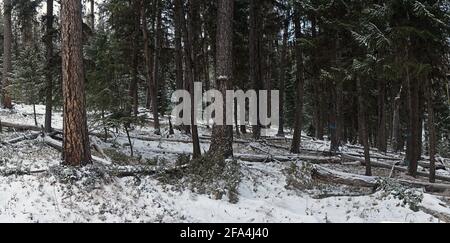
[329, 175]
[202, 139]
[31, 136]
[17, 172]
[311, 159]
[20, 127]
[390, 166]
[58, 146]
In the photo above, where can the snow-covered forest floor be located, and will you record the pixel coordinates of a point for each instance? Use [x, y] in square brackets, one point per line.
[275, 187]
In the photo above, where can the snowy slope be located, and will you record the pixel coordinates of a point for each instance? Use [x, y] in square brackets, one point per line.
[263, 195]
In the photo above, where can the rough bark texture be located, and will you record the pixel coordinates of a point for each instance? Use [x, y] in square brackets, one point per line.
[48, 72]
[7, 47]
[222, 141]
[296, 142]
[76, 140]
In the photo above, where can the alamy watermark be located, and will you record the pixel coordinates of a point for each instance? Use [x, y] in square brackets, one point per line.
[209, 107]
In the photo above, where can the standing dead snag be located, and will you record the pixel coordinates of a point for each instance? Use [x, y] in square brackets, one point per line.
[76, 150]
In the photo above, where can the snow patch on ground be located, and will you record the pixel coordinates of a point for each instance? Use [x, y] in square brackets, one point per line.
[263, 195]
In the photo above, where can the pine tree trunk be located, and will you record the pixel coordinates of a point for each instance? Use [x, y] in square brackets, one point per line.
[190, 76]
[222, 139]
[381, 134]
[296, 141]
[317, 98]
[431, 132]
[362, 121]
[7, 57]
[133, 105]
[76, 140]
[414, 120]
[156, 67]
[396, 130]
[283, 68]
[337, 103]
[178, 15]
[92, 16]
[48, 72]
[255, 57]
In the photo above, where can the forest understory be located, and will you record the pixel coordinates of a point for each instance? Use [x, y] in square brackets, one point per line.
[265, 183]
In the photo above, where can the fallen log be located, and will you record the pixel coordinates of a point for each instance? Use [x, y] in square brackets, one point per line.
[17, 172]
[20, 127]
[439, 215]
[306, 158]
[390, 166]
[329, 175]
[22, 138]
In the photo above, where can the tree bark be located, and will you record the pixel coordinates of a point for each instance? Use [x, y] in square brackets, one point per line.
[296, 142]
[431, 132]
[283, 68]
[396, 130]
[188, 40]
[178, 15]
[362, 120]
[414, 121]
[156, 67]
[133, 87]
[76, 140]
[48, 72]
[381, 134]
[222, 140]
[255, 57]
[7, 57]
[92, 16]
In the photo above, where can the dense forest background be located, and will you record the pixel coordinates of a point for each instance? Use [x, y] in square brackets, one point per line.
[362, 72]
